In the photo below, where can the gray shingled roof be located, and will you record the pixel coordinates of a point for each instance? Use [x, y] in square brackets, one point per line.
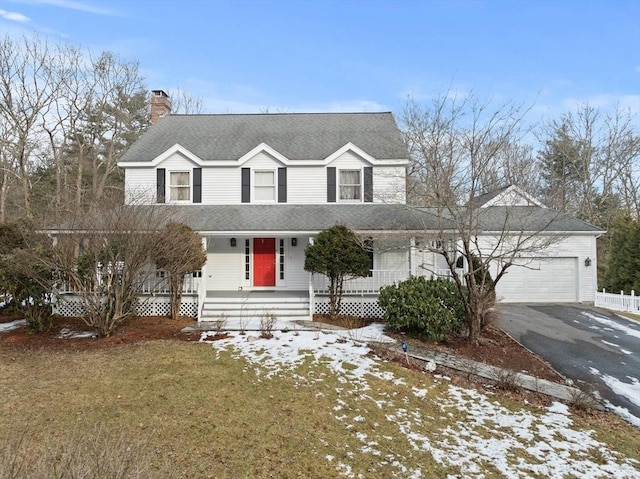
[531, 218]
[291, 218]
[298, 136]
[360, 217]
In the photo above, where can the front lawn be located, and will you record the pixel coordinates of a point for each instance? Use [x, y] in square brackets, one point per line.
[299, 405]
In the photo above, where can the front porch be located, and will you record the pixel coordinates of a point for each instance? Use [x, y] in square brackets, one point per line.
[360, 298]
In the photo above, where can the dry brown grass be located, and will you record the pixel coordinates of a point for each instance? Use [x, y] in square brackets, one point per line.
[182, 410]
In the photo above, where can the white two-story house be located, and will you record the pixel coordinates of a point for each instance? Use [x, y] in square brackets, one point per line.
[259, 187]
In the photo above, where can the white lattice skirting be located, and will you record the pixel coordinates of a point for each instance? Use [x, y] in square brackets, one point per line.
[157, 306]
[362, 307]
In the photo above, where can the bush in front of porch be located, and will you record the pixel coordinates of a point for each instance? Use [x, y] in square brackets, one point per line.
[338, 253]
[429, 309]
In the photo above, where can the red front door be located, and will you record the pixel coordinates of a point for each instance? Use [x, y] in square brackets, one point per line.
[264, 261]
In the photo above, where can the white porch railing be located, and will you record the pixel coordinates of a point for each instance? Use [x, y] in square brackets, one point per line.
[378, 279]
[618, 302]
[369, 285]
[161, 286]
[149, 286]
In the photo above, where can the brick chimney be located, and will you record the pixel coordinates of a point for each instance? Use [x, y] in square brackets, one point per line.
[160, 105]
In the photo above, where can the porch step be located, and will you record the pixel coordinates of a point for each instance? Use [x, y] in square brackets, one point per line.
[255, 306]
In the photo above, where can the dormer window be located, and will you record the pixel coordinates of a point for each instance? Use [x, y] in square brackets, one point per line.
[350, 182]
[179, 186]
[264, 185]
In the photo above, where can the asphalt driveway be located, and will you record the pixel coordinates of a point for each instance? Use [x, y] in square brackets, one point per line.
[584, 344]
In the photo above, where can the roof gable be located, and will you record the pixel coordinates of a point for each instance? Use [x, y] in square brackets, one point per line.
[508, 196]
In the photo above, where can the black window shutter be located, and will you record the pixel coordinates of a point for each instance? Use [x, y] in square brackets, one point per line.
[331, 185]
[282, 185]
[246, 185]
[197, 185]
[160, 182]
[368, 184]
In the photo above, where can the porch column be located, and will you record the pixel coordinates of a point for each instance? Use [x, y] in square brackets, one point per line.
[312, 299]
[202, 286]
[413, 263]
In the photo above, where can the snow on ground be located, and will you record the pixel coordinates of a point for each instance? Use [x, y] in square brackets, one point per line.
[517, 443]
[18, 323]
[66, 333]
[612, 325]
[629, 390]
[614, 345]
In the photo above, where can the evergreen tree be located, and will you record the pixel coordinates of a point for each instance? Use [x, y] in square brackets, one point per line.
[338, 254]
[623, 269]
[561, 168]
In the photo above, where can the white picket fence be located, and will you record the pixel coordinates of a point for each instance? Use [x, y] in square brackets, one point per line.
[618, 302]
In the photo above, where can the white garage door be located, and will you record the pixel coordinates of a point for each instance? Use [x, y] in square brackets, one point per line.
[540, 280]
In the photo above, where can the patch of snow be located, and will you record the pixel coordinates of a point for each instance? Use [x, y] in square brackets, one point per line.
[66, 333]
[614, 345]
[10, 326]
[482, 431]
[612, 324]
[629, 390]
[624, 413]
[559, 408]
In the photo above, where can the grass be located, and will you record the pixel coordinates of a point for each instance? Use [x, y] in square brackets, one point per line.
[635, 317]
[186, 411]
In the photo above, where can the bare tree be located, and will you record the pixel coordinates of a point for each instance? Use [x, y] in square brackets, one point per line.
[27, 88]
[104, 258]
[456, 145]
[185, 102]
[590, 163]
[179, 251]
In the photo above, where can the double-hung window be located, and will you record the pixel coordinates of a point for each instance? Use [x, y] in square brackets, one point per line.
[350, 182]
[179, 186]
[264, 185]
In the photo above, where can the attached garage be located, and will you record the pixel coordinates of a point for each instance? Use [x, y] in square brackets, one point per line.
[540, 280]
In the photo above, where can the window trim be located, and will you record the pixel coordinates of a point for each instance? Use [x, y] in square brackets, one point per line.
[274, 185]
[169, 186]
[339, 186]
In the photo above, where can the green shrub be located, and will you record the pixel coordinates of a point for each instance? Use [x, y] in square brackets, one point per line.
[430, 309]
[39, 318]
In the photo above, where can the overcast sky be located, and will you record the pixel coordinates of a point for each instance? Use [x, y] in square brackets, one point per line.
[296, 56]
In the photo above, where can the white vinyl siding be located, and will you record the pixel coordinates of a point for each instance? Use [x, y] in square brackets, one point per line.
[305, 184]
[221, 185]
[140, 186]
[389, 184]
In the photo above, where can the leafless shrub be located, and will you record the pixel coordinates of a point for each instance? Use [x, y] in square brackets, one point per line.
[507, 380]
[267, 323]
[583, 397]
[219, 324]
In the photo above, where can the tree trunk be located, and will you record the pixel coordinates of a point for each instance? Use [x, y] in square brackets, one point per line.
[175, 284]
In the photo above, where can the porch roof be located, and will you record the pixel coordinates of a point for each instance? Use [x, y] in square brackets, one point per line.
[282, 218]
[307, 218]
